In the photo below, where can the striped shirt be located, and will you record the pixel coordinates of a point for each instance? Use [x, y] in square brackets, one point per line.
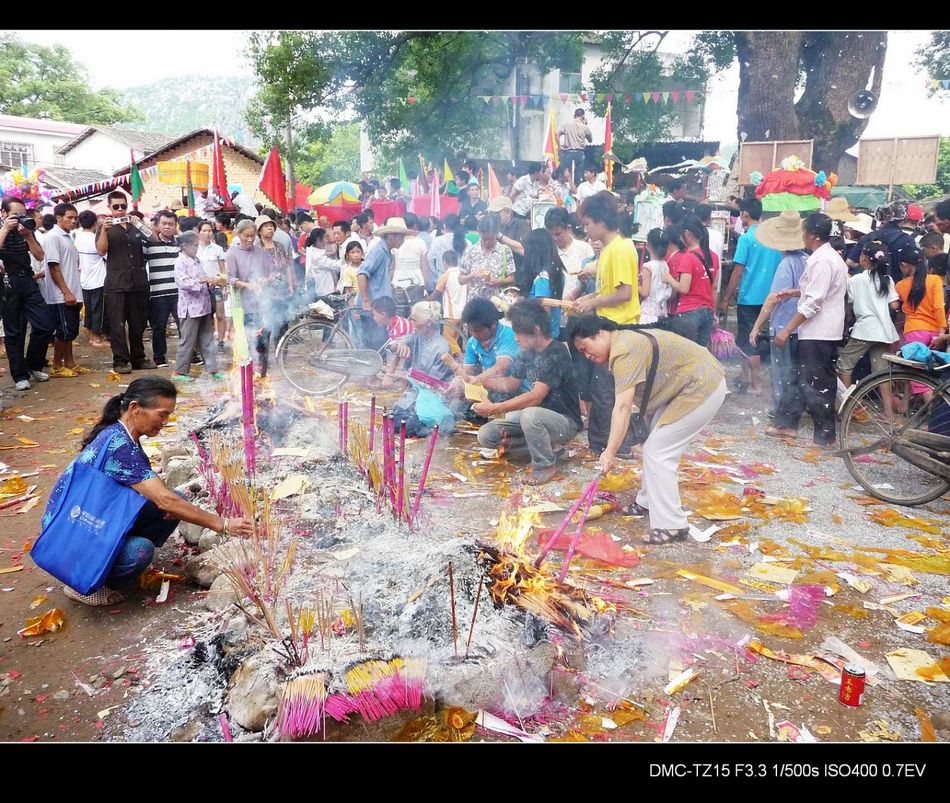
[824, 285]
[161, 258]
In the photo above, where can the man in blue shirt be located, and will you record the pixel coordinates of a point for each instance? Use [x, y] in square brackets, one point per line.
[374, 279]
[491, 347]
[754, 270]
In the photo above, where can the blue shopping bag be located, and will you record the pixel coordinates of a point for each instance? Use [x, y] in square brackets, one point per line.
[84, 533]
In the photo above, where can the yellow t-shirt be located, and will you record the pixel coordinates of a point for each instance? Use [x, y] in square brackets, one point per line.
[348, 279]
[618, 265]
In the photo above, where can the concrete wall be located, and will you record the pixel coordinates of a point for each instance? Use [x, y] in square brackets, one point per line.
[44, 144]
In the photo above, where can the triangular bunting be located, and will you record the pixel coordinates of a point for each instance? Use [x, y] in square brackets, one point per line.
[656, 96]
[564, 97]
[690, 94]
[583, 96]
[646, 97]
[946, 84]
[675, 96]
[592, 97]
[610, 98]
[487, 99]
[935, 84]
[666, 97]
[628, 98]
[523, 99]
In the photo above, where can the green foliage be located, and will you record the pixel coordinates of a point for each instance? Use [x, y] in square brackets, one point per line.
[934, 58]
[337, 159]
[942, 183]
[37, 81]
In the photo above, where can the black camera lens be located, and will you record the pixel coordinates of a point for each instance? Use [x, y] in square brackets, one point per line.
[27, 221]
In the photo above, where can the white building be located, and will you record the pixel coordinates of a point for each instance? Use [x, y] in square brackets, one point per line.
[108, 149]
[33, 141]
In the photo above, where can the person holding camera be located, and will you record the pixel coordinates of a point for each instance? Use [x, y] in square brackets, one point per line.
[121, 241]
[23, 302]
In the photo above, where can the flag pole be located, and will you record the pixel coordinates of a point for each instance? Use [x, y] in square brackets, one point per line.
[135, 203]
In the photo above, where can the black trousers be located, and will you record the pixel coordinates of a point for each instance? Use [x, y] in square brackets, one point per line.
[159, 308]
[126, 310]
[601, 409]
[818, 384]
[24, 304]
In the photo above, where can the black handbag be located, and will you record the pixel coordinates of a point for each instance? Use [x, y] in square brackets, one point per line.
[639, 429]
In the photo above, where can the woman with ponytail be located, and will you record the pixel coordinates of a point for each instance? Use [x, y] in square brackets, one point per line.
[143, 409]
[872, 296]
[693, 269]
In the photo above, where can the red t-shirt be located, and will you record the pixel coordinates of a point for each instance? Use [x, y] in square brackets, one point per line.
[701, 287]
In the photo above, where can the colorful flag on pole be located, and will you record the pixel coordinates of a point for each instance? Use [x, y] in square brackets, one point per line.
[447, 171]
[403, 178]
[137, 187]
[191, 189]
[435, 202]
[608, 148]
[550, 151]
[272, 181]
[494, 186]
[218, 195]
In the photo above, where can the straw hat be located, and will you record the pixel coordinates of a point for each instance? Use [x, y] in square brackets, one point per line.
[499, 203]
[261, 220]
[395, 225]
[783, 233]
[839, 209]
[862, 222]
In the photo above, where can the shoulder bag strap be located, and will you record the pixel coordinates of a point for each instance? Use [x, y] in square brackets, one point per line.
[651, 375]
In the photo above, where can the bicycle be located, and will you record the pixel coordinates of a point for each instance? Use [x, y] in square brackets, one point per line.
[317, 355]
[913, 427]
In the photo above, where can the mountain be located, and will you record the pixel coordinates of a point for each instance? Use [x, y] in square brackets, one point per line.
[183, 104]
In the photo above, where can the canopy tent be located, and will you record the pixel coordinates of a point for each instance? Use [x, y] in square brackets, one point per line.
[335, 193]
[861, 197]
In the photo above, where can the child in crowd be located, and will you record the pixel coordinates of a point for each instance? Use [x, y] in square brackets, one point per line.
[923, 302]
[448, 291]
[654, 291]
[352, 259]
[384, 313]
[872, 296]
[932, 245]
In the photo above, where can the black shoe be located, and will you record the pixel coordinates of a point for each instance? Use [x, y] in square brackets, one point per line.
[145, 365]
[161, 362]
[125, 368]
[197, 360]
[633, 509]
[771, 413]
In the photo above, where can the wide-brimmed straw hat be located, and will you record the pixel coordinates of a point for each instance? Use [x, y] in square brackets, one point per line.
[783, 233]
[839, 209]
[862, 222]
[395, 225]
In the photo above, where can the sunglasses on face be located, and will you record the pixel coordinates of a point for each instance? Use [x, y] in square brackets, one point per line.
[120, 206]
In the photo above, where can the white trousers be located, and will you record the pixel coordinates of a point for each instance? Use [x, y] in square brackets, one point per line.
[659, 487]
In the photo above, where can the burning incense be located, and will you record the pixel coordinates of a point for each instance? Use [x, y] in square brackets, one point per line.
[455, 637]
[471, 629]
[585, 509]
[339, 426]
[247, 415]
[372, 423]
[588, 492]
[433, 437]
[400, 493]
[346, 427]
[225, 727]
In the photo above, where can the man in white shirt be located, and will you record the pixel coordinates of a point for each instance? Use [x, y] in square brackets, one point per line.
[411, 264]
[92, 279]
[820, 325]
[591, 185]
[525, 190]
[244, 203]
[574, 253]
[63, 289]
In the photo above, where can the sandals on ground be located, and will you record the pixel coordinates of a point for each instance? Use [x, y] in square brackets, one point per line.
[633, 509]
[660, 537]
[104, 596]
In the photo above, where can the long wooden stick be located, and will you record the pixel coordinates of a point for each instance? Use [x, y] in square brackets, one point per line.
[455, 637]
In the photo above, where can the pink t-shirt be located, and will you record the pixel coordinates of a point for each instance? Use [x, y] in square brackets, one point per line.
[701, 287]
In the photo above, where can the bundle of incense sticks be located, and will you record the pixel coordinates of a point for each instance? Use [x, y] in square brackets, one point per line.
[433, 437]
[586, 498]
[401, 485]
[427, 379]
[247, 417]
[301, 710]
[365, 684]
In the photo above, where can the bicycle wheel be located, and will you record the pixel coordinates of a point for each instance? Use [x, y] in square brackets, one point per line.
[878, 452]
[299, 352]
[455, 337]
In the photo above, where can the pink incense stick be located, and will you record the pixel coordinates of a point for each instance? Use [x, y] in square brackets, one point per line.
[425, 473]
[247, 403]
[588, 492]
[339, 426]
[372, 423]
[577, 533]
[402, 470]
[225, 727]
[346, 428]
[392, 460]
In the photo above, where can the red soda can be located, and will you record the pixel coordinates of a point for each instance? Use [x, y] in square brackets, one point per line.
[853, 681]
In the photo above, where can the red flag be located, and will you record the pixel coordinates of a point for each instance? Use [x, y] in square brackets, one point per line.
[494, 186]
[218, 194]
[272, 181]
[608, 148]
[435, 200]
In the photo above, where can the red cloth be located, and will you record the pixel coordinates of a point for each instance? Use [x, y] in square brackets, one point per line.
[338, 211]
[594, 544]
[387, 209]
[797, 182]
[300, 197]
[272, 182]
[421, 205]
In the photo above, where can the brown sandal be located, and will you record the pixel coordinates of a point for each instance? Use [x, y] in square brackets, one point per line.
[659, 537]
[104, 596]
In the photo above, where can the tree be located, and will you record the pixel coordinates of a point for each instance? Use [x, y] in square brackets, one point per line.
[828, 66]
[934, 58]
[941, 185]
[337, 158]
[37, 81]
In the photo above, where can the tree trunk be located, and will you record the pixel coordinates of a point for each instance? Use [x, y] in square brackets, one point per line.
[837, 64]
[768, 69]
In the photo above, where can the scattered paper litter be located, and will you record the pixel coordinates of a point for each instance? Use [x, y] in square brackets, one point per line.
[680, 681]
[291, 451]
[855, 582]
[897, 598]
[702, 536]
[835, 645]
[905, 663]
[163, 593]
[671, 719]
[291, 486]
[640, 581]
[710, 582]
[772, 573]
[498, 725]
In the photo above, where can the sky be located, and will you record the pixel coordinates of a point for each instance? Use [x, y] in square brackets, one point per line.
[904, 108]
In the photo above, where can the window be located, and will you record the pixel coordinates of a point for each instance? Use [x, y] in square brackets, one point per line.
[570, 83]
[15, 154]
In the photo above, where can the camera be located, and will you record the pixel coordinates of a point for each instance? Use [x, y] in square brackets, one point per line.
[123, 219]
[26, 221]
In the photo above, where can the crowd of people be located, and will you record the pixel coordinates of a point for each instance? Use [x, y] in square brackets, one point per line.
[567, 327]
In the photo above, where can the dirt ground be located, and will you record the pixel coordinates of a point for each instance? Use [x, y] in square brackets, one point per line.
[99, 656]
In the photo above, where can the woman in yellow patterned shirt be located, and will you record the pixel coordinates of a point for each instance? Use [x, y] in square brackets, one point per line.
[688, 390]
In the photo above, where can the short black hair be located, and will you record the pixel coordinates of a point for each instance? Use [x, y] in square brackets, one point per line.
[61, 209]
[579, 112]
[601, 207]
[188, 223]
[115, 194]
[557, 218]
[271, 213]
[674, 211]
[49, 221]
[481, 312]
[343, 225]
[411, 220]
[527, 314]
[752, 207]
[385, 305]
[677, 184]
[703, 212]
[87, 219]
[166, 213]
[817, 224]
[533, 167]
[224, 219]
[362, 219]
[932, 239]
[942, 210]
[303, 217]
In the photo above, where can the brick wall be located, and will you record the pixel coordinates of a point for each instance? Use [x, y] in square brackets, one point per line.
[239, 169]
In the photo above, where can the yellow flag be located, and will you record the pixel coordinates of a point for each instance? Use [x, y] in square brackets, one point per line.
[447, 171]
